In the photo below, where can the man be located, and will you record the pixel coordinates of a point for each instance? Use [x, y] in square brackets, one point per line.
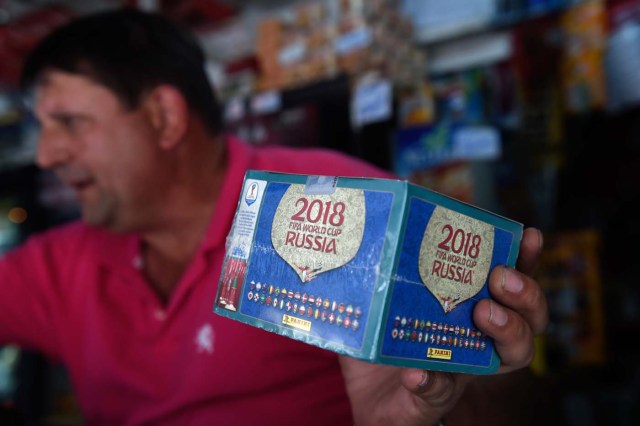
[124, 298]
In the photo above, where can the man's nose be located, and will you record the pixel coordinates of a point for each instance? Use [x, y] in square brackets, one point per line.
[54, 149]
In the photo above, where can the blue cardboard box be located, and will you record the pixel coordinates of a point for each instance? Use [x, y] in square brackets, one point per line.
[381, 270]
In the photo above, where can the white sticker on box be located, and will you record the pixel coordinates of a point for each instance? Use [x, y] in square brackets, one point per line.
[372, 102]
[353, 40]
[320, 185]
[245, 223]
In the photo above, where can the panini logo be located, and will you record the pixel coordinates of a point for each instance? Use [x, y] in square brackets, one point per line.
[296, 323]
[439, 353]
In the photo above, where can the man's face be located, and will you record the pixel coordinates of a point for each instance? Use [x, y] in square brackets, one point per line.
[103, 150]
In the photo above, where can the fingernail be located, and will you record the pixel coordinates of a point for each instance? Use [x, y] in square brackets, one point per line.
[511, 281]
[422, 386]
[497, 315]
[540, 241]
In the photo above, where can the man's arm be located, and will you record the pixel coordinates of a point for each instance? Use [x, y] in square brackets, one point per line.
[382, 395]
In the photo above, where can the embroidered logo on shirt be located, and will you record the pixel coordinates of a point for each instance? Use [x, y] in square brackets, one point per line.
[204, 339]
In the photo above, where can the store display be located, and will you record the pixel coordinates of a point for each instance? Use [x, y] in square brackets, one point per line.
[317, 40]
[460, 130]
[9, 228]
[436, 20]
[584, 31]
[621, 59]
[381, 270]
[19, 35]
[416, 105]
[8, 362]
[455, 180]
[16, 148]
[421, 148]
[570, 276]
[372, 101]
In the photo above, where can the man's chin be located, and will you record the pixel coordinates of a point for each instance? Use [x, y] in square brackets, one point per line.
[100, 220]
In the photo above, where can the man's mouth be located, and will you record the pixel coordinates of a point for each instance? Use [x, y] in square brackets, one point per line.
[80, 185]
[77, 180]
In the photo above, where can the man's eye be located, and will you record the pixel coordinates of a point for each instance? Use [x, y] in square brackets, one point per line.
[71, 124]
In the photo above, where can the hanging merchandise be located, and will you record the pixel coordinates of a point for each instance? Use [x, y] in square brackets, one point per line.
[9, 227]
[536, 57]
[584, 31]
[436, 20]
[20, 35]
[470, 52]
[372, 101]
[455, 180]
[541, 6]
[528, 182]
[17, 131]
[319, 39]
[460, 130]
[8, 363]
[416, 105]
[503, 104]
[622, 57]
[460, 97]
[570, 276]
[421, 148]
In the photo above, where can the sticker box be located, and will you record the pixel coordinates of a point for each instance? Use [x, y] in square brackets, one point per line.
[380, 270]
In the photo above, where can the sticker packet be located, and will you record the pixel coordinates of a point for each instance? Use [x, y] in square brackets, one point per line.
[380, 270]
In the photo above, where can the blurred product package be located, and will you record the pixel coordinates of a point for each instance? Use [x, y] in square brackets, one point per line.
[320, 39]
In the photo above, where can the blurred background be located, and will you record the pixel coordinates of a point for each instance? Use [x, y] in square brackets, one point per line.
[528, 108]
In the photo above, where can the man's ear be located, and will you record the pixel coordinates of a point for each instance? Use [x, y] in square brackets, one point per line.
[169, 114]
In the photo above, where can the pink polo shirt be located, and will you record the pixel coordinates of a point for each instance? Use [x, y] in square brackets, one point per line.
[77, 294]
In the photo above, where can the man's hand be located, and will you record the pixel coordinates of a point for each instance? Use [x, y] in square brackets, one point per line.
[382, 395]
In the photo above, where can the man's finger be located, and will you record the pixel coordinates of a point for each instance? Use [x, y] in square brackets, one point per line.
[512, 335]
[530, 249]
[522, 294]
[437, 389]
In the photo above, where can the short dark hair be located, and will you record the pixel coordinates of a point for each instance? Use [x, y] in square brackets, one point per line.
[129, 52]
